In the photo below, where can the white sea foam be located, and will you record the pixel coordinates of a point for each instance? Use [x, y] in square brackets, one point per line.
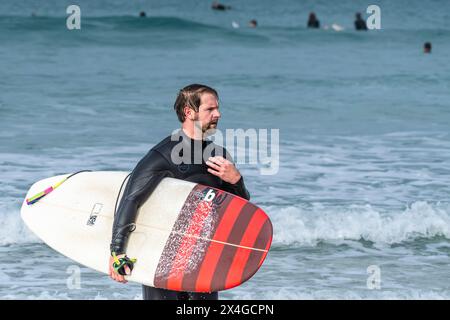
[12, 228]
[268, 294]
[296, 226]
[59, 295]
[342, 294]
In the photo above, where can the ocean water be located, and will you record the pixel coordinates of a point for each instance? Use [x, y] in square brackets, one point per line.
[363, 119]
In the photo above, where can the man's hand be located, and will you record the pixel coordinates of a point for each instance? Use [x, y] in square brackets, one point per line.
[224, 169]
[112, 272]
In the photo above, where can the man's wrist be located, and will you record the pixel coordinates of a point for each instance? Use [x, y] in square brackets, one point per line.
[236, 181]
[117, 248]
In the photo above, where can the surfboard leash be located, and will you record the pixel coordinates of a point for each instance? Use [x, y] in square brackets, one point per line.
[42, 194]
[120, 263]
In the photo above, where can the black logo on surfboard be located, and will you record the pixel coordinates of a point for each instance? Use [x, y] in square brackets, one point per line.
[94, 213]
[217, 197]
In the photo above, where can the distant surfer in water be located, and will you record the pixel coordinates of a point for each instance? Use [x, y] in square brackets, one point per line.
[427, 47]
[253, 23]
[360, 24]
[313, 22]
[197, 109]
[218, 6]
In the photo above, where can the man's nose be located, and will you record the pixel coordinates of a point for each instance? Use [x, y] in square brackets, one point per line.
[217, 114]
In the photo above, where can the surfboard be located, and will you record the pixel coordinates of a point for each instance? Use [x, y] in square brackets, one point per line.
[188, 237]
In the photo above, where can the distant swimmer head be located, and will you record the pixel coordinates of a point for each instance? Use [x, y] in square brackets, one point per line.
[427, 47]
[253, 23]
[142, 14]
[218, 6]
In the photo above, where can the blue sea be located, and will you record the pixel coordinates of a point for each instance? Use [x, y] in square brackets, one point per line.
[362, 191]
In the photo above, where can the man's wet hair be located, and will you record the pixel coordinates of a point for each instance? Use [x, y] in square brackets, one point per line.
[190, 96]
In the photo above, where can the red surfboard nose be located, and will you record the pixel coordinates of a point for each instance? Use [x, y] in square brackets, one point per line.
[214, 245]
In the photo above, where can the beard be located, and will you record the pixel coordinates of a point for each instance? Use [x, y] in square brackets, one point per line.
[204, 130]
[210, 128]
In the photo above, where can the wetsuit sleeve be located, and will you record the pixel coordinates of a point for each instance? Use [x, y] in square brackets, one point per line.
[238, 188]
[147, 174]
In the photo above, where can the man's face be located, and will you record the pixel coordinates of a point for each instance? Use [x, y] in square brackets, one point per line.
[208, 113]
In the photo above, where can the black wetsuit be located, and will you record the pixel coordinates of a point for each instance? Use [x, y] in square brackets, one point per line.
[313, 23]
[219, 6]
[360, 24]
[150, 170]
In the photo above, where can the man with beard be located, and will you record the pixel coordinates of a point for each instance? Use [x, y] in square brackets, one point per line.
[180, 156]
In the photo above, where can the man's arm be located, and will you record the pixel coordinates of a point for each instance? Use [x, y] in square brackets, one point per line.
[145, 177]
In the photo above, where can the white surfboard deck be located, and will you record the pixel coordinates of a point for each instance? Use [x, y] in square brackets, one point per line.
[61, 219]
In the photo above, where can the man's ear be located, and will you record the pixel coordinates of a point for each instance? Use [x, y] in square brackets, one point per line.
[189, 113]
